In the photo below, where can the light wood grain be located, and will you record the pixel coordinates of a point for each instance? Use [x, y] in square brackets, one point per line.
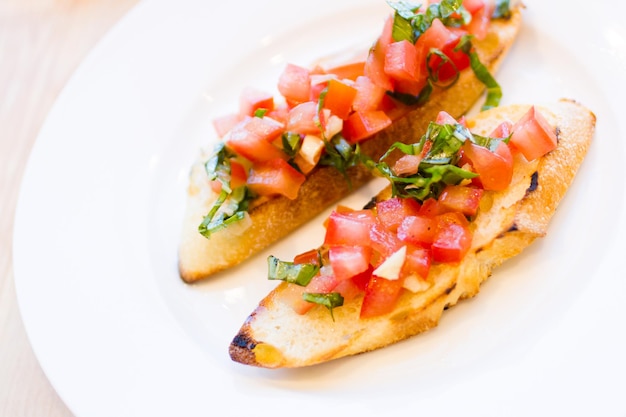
[41, 44]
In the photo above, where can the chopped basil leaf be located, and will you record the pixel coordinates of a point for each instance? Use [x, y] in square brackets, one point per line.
[440, 147]
[494, 92]
[328, 300]
[260, 112]
[299, 274]
[291, 143]
[502, 10]
[340, 154]
[231, 205]
[409, 24]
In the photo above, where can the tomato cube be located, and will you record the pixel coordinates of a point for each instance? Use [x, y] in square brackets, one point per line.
[252, 100]
[349, 261]
[339, 98]
[453, 238]
[349, 228]
[252, 137]
[304, 119]
[495, 169]
[275, 177]
[381, 296]
[418, 230]
[418, 261]
[294, 84]
[533, 136]
[461, 198]
[361, 125]
[391, 212]
[401, 61]
[321, 283]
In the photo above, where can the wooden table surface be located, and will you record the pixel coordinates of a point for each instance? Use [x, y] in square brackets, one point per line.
[41, 43]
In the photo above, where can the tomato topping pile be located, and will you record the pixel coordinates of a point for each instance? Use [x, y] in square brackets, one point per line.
[389, 247]
[273, 142]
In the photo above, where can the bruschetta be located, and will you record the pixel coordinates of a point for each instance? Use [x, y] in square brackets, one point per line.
[282, 159]
[467, 197]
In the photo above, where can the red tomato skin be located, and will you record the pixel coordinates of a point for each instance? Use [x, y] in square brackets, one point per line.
[383, 241]
[495, 169]
[339, 98]
[251, 138]
[381, 296]
[375, 63]
[391, 212]
[418, 230]
[453, 238]
[472, 6]
[481, 19]
[349, 261]
[350, 71]
[436, 36]
[361, 125]
[401, 61]
[223, 124]
[275, 177]
[252, 99]
[302, 119]
[461, 198]
[308, 257]
[533, 136]
[294, 83]
[349, 228]
[368, 96]
[418, 261]
[431, 208]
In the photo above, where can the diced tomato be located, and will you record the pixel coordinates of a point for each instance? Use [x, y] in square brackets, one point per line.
[445, 118]
[361, 280]
[381, 296]
[431, 208]
[461, 198]
[401, 61]
[458, 60]
[392, 212]
[375, 62]
[349, 261]
[302, 119]
[349, 228]
[321, 283]
[252, 137]
[495, 169]
[472, 6]
[368, 95]
[252, 99]
[361, 125]
[339, 98]
[275, 177]
[383, 241]
[223, 124]
[452, 239]
[350, 71]
[503, 130]
[418, 261]
[481, 19]
[436, 36]
[295, 84]
[308, 257]
[418, 230]
[238, 177]
[407, 165]
[533, 136]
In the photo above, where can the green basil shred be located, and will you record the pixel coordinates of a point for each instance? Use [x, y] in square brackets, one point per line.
[328, 300]
[299, 274]
[231, 205]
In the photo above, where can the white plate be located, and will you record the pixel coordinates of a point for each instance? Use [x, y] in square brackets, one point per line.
[118, 334]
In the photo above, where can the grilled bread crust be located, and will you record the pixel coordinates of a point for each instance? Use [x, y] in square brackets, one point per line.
[507, 222]
[276, 217]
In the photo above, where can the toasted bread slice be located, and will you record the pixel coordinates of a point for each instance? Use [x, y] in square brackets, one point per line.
[276, 217]
[507, 222]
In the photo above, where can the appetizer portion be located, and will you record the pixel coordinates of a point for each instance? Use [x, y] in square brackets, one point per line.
[282, 159]
[463, 199]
